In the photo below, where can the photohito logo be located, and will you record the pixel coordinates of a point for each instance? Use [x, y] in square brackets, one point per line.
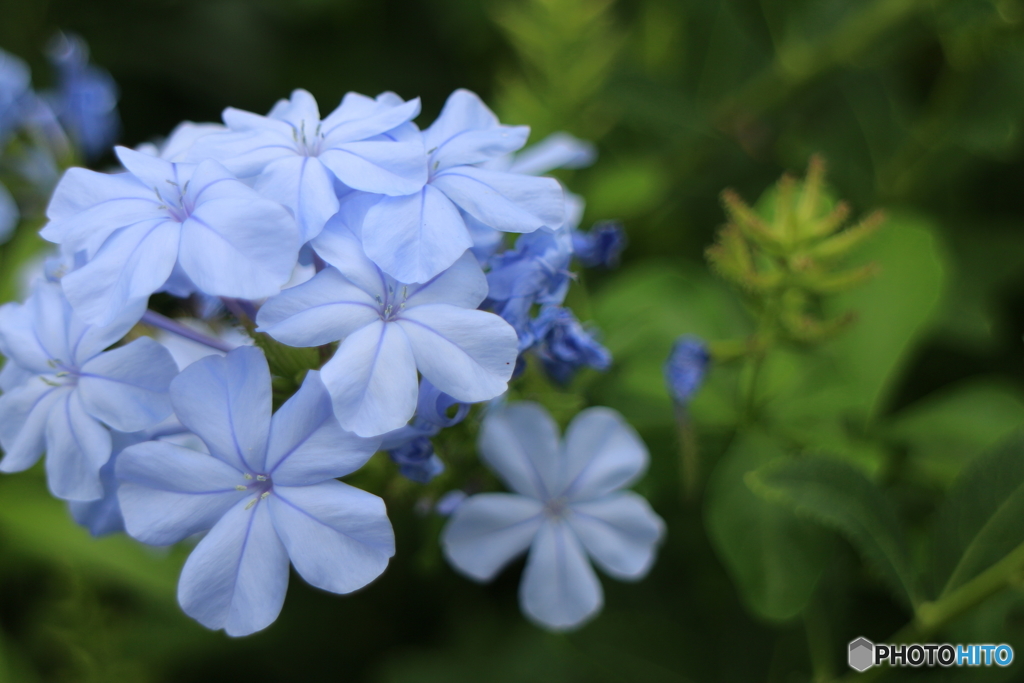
[863, 654]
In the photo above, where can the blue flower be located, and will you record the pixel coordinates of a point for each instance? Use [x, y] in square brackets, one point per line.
[14, 88]
[686, 367]
[389, 330]
[266, 491]
[558, 150]
[602, 246]
[567, 506]
[86, 98]
[136, 227]
[564, 345]
[67, 388]
[416, 460]
[295, 157]
[410, 446]
[416, 236]
[536, 271]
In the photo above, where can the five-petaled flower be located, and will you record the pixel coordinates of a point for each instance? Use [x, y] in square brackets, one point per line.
[567, 505]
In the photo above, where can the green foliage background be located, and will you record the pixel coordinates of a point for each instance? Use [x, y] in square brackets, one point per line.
[878, 487]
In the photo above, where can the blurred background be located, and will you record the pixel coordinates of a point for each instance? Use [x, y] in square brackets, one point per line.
[916, 105]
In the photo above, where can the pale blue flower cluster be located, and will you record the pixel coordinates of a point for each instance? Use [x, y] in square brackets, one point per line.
[381, 246]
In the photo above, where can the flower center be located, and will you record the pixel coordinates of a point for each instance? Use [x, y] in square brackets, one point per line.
[260, 485]
[175, 202]
[307, 141]
[556, 508]
[393, 303]
[63, 374]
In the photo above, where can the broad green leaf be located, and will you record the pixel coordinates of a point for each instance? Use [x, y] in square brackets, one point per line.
[641, 314]
[893, 309]
[982, 518]
[944, 430]
[837, 495]
[774, 557]
[39, 525]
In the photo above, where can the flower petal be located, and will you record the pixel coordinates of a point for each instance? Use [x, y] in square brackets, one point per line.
[603, 453]
[520, 442]
[127, 387]
[489, 530]
[242, 247]
[225, 400]
[77, 446]
[132, 264]
[620, 532]
[305, 186]
[167, 493]
[324, 309]
[559, 589]
[505, 201]
[415, 237]
[307, 445]
[23, 415]
[237, 576]
[379, 166]
[463, 284]
[372, 380]
[339, 245]
[467, 354]
[338, 537]
[359, 117]
[467, 132]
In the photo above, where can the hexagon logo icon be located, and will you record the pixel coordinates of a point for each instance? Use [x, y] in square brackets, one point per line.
[862, 654]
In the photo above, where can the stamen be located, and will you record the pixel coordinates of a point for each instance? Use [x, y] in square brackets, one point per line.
[247, 476]
[241, 487]
[251, 503]
[264, 495]
[261, 477]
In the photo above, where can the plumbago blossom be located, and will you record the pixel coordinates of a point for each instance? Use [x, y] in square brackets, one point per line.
[356, 271]
[567, 506]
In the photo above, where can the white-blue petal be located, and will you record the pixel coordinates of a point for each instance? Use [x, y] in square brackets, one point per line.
[225, 400]
[372, 380]
[559, 589]
[127, 387]
[307, 445]
[167, 493]
[77, 446]
[23, 415]
[237, 577]
[303, 185]
[467, 354]
[324, 309]
[603, 453]
[379, 166]
[620, 532]
[132, 264]
[340, 246]
[463, 284]
[489, 530]
[505, 201]
[520, 442]
[338, 537]
[415, 237]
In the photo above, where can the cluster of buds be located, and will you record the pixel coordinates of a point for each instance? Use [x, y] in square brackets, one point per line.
[786, 255]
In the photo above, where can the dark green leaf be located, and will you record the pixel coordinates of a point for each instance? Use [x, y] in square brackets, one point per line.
[839, 496]
[774, 556]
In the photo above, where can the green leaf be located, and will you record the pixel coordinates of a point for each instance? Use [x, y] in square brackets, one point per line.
[944, 430]
[774, 556]
[894, 309]
[982, 518]
[839, 496]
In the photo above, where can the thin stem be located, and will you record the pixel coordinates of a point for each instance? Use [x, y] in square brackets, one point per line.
[819, 642]
[932, 616]
[689, 455]
[162, 322]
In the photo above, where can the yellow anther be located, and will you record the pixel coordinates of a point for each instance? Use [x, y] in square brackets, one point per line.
[240, 487]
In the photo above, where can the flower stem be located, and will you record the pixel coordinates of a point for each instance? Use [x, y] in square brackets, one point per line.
[162, 322]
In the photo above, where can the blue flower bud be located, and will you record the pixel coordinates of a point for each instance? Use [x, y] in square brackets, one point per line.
[416, 460]
[602, 246]
[686, 367]
[566, 345]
